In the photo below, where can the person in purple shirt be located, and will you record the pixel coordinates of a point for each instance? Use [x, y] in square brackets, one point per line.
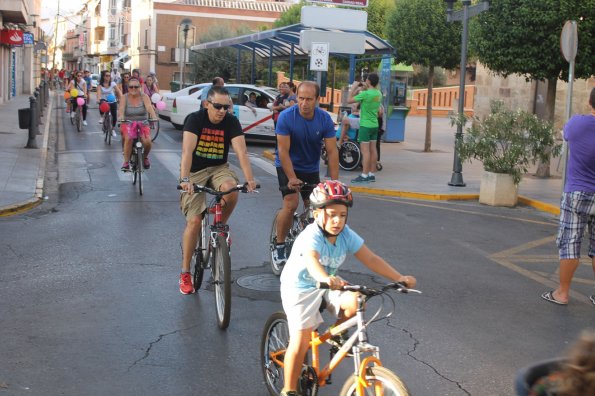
[577, 206]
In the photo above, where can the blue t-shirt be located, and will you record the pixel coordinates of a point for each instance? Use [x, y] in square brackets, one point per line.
[579, 131]
[295, 275]
[306, 136]
[351, 132]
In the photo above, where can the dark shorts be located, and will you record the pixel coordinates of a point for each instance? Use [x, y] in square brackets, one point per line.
[310, 178]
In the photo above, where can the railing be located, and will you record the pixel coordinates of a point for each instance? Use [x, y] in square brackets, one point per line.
[444, 99]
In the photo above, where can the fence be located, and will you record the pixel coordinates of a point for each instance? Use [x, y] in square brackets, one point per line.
[444, 99]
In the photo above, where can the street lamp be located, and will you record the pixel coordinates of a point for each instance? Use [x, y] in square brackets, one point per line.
[463, 15]
[186, 23]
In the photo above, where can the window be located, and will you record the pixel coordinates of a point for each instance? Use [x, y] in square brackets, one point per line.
[234, 93]
[112, 35]
[113, 7]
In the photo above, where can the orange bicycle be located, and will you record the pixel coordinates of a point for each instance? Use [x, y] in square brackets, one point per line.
[369, 378]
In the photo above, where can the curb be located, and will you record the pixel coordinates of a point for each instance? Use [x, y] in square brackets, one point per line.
[539, 205]
[37, 199]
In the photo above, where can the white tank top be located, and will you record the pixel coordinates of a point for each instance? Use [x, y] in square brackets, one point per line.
[106, 91]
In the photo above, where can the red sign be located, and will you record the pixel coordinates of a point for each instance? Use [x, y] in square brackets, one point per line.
[11, 37]
[351, 3]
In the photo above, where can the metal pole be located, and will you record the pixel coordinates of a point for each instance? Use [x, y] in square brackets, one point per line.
[31, 143]
[456, 179]
[239, 62]
[291, 62]
[253, 72]
[568, 111]
[183, 57]
[56, 37]
[270, 66]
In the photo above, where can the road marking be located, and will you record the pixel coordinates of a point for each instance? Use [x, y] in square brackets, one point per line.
[263, 164]
[72, 167]
[171, 162]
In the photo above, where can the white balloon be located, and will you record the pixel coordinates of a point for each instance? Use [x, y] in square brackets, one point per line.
[155, 97]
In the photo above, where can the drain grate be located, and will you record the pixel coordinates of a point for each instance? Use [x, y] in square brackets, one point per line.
[260, 282]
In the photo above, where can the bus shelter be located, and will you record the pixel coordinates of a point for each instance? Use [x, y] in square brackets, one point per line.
[284, 44]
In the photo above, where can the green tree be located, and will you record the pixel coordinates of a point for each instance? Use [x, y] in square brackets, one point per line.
[378, 11]
[291, 16]
[523, 38]
[421, 35]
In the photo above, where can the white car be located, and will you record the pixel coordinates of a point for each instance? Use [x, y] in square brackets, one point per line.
[170, 97]
[94, 82]
[256, 121]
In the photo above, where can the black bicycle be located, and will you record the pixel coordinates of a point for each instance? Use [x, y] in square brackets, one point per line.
[300, 221]
[107, 127]
[137, 156]
[212, 252]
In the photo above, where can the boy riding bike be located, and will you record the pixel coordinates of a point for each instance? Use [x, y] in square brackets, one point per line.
[317, 254]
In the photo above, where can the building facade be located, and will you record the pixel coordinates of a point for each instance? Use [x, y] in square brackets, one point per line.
[20, 53]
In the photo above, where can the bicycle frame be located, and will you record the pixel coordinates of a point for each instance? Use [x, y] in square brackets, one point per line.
[217, 227]
[360, 336]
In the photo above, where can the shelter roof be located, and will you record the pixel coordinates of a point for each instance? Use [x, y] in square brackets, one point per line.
[280, 41]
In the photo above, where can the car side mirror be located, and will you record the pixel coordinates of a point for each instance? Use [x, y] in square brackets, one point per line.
[270, 106]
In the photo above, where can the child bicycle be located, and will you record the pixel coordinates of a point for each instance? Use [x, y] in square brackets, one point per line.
[212, 252]
[369, 378]
[300, 221]
[107, 124]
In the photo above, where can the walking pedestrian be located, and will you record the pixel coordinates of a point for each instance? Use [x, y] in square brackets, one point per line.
[577, 206]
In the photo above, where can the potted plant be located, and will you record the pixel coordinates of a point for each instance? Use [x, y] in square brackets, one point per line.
[506, 142]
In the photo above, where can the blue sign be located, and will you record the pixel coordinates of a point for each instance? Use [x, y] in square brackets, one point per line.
[28, 38]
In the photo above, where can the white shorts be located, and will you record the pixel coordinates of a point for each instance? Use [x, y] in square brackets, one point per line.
[303, 309]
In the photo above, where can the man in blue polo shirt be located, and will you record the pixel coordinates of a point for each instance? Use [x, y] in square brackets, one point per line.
[301, 130]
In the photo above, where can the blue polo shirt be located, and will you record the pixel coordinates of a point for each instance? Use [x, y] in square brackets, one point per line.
[307, 137]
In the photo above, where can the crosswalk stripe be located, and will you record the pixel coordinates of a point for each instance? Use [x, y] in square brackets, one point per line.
[72, 168]
[171, 161]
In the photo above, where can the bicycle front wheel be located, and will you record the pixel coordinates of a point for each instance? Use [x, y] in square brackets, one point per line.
[108, 128]
[154, 130]
[139, 170]
[79, 120]
[380, 380]
[274, 342]
[350, 156]
[272, 242]
[222, 282]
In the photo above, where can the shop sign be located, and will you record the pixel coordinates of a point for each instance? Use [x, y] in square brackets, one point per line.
[11, 37]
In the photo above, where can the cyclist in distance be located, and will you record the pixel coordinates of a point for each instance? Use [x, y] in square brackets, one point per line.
[317, 254]
[301, 131]
[104, 89]
[80, 85]
[123, 85]
[208, 134]
[150, 86]
[135, 106]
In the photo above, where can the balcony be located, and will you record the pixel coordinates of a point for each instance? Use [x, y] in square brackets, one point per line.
[16, 11]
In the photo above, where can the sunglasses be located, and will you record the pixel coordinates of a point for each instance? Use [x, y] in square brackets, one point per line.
[134, 86]
[219, 106]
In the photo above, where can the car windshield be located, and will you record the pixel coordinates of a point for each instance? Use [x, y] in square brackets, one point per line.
[272, 91]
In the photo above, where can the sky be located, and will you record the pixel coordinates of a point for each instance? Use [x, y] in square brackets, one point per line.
[49, 7]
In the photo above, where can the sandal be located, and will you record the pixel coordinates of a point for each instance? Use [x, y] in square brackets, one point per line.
[549, 296]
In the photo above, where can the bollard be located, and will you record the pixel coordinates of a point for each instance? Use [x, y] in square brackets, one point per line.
[42, 93]
[33, 129]
[47, 92]
[39, 102]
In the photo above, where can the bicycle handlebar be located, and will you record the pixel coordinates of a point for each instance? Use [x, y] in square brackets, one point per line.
[368, 291]
[240, 187]
[307, 186]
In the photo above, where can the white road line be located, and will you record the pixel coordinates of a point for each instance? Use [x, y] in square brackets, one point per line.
[171, 161]
[72, 168]
[263, 164]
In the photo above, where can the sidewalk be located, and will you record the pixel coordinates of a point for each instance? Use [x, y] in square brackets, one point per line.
[409, 172]
[22, 170]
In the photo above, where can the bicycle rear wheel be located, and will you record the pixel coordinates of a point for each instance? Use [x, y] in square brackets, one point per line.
[274, 342]
[272, 242]
[222, 281]
[133, 165]
[198, 268]
[381, 381]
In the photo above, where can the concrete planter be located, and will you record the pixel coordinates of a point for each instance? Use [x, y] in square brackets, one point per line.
[498, 189]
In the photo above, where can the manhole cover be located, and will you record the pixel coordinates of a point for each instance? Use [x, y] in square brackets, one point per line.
[260, 282]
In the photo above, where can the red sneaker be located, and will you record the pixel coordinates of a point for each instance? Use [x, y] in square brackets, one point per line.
[186, 283]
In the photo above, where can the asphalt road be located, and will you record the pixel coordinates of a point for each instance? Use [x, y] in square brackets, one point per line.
[89, 301]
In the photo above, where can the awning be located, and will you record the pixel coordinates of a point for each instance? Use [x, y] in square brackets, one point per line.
[282, 41]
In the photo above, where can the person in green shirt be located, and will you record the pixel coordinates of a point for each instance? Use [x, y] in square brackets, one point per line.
[370, 98]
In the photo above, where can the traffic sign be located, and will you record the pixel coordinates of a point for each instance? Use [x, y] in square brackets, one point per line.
[569, 41]
[339, 42]
[319, 57]
[334, 18]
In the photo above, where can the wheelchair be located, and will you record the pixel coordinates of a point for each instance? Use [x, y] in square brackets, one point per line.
[350, 154]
